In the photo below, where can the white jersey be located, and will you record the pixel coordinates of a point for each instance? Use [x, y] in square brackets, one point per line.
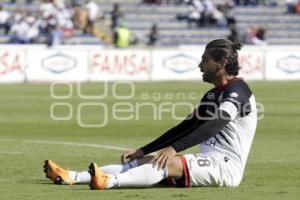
[233, 142]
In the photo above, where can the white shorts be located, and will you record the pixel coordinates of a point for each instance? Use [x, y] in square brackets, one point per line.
[209, 170]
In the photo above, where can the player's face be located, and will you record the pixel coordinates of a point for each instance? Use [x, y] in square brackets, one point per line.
[209, 68]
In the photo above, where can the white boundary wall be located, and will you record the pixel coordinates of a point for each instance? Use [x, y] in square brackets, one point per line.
[20, 63]
[108, 65]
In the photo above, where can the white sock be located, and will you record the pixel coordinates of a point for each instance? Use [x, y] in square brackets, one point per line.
[117, 169]
[84, 176]
[142, 176]
[80, 177]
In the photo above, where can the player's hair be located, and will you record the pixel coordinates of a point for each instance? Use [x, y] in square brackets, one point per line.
[224, 49]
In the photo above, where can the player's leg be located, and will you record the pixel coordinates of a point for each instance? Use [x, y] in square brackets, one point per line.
[59, 175]
[84, 176]
[141, 176]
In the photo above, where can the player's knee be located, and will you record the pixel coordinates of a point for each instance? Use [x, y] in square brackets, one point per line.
[172, 163]
[175, 168]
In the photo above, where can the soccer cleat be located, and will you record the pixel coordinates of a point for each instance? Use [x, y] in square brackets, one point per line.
[99, 180]
[57, 174]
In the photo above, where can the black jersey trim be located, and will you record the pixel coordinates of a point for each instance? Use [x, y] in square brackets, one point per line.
[218, 140]
[223, 136]
[229, 128]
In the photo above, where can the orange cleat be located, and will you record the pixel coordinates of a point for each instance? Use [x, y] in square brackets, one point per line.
[99, 179]
[57, 174]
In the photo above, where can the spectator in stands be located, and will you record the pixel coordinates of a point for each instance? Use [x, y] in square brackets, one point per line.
[28, 2]
[75, 3]
[255, 35]
[207, 16]
[290, 5]
[53, 20]
[116, 15]
[24, 31]
[227, 9]
[122, 36]
[32, 33]
[4, 20]
[80, 17]
[18, 15]
[53, 35]
[94, 12]
[47, 8]
[57, 20]
[195, 13]
[153, 36]
[253, 2]
[203, 13]
[59, 4]
[17, 31]
[45, 22]
[63, 15]
[246, 2]
[260, 36]
[162, 1]
[297, 8]
[249, 35]
[234, 36]
[229, 4]
[219, 17]
[67, 28]
[152, 1]
[237, 2]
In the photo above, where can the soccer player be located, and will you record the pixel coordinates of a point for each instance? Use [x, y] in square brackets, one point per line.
[223, 125]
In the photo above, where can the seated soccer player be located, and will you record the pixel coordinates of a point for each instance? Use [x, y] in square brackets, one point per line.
[223, 125]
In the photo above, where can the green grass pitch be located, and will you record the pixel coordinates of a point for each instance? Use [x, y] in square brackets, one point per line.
[27, 130]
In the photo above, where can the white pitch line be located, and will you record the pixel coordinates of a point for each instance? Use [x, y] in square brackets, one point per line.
[76, 144]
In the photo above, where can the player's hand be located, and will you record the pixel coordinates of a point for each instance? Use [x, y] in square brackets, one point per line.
[131, 155]
[162, 158]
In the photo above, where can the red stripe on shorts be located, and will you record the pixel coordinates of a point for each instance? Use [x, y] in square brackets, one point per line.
[185, 171]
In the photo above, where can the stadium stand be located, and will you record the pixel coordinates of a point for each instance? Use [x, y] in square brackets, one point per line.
[281, 28]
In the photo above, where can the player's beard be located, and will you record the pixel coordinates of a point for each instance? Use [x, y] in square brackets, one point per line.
[209, 76]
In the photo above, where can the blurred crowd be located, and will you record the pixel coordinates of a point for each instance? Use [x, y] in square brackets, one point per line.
[53, 21]
[205, 13]
[252, 35]
[293, 6]
[56, 20]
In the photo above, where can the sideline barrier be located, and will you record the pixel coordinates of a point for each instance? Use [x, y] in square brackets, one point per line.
[19, 63]
[12, 65]
[108, 65]
[252, 61]
[283, 64]
[56, 65]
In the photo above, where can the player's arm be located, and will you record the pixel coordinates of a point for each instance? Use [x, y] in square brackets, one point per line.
[172, 135]
[191, 122]
[203, 132]
[163, 141]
